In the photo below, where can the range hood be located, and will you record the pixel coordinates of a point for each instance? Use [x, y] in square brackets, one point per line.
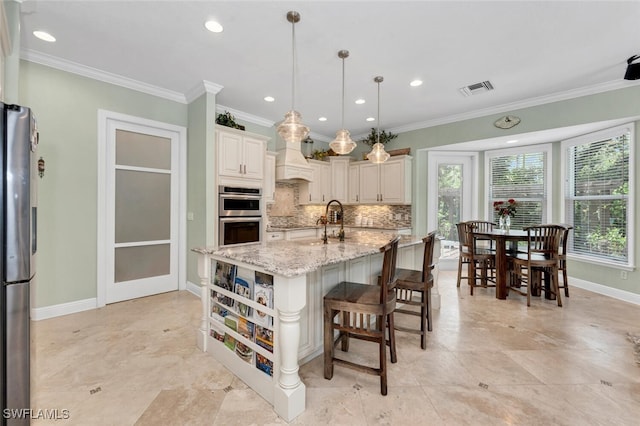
[291, 164]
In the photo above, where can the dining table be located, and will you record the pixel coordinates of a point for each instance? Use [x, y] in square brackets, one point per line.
[501, 236]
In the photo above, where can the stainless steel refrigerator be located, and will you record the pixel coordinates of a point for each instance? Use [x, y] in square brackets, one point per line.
[18, 166]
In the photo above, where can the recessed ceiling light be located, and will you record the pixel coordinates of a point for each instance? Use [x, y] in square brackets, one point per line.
[360, 101]
[43, 35]
[322, 119]
[213, 26]
[371, 119]
[415, 83]
[269, 98]
[513, 141]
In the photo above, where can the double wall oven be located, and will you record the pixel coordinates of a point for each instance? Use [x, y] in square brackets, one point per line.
[239, 215]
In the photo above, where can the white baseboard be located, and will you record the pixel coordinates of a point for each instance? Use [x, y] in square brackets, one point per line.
[193, 288]
[46, 312]
[623, 295]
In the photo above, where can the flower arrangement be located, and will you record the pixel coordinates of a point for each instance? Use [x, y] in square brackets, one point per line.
[506, 208]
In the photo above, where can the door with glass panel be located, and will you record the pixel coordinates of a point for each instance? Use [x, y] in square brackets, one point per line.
[452, 199]
[142, 211]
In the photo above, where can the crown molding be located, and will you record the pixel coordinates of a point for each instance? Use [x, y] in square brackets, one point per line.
[221, 109]
[526, 103]
[96, 74]
[210, 87]
[201, 88]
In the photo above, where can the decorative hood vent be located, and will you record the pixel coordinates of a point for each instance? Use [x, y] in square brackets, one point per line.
[291, 164]
[476, 88]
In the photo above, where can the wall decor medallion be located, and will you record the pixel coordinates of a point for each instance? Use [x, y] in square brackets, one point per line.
[507, 122]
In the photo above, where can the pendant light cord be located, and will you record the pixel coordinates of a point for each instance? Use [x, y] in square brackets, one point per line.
[293, 66]
[378, 112]
[342, 93]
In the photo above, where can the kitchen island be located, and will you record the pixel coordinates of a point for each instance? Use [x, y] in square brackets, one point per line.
[296, 275]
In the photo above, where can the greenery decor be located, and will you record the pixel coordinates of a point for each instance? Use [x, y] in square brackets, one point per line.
[228, 120]
[372, 137]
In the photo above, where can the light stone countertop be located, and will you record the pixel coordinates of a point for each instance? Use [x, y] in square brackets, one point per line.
[334, 225]
[299, 257]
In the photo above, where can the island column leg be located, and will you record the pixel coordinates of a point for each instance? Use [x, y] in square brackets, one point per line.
[290, 295]
[203, 272]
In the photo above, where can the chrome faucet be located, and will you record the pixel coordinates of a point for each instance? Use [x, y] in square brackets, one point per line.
[326, 214]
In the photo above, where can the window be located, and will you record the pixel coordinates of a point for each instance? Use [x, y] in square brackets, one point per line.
[599, 194]
[522, 174]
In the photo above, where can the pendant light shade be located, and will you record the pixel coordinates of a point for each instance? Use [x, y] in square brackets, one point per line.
[378, 154]
[291, 130]
[342, 144]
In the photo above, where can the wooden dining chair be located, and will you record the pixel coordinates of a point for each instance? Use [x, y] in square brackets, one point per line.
[483, 255]
[542, 256]
[410, 283]
[365, 312]
[464, 252]
[562, 258]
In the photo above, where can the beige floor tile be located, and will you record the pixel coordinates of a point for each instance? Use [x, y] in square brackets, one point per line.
[487, 361]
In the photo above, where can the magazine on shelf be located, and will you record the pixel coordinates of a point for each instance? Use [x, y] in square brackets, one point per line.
[224, 277]
[264, 337]
[246, 328]
[231, 322]
[229, 341]
[216, 331]
[263, 294]
[265, 364]
[244, 289]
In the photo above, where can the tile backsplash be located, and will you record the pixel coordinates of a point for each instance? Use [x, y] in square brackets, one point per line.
[287, 212]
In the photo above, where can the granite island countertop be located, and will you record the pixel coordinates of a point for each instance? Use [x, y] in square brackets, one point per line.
[334, 225]
[299, 257]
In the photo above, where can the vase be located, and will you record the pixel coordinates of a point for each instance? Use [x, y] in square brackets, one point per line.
[501, 222]
[507, 223]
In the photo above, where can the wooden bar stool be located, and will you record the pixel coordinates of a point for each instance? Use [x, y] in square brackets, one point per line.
[363, 312]
[409, 281]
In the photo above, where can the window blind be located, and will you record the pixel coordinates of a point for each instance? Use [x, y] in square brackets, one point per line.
[521, 176]
[597, 197]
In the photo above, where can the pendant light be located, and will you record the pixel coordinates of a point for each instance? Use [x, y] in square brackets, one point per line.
[378, 154]
[291, 130]
[342, 144]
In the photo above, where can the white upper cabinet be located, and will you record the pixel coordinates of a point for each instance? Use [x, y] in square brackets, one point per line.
[354, 184]
[269, 187]
[319, 189]
[329, 181]
[241, 157]
[386, 183]
[340, 178]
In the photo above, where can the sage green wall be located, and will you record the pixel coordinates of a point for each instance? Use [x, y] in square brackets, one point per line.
[611, 105]
[66, 106]
[196, 183]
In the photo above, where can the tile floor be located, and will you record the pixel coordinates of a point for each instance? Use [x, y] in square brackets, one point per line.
[488, 362]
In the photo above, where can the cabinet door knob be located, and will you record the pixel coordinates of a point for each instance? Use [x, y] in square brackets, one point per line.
[245, 169]
[240, 171]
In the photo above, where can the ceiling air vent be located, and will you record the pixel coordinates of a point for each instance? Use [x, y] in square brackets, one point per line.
[476, 88]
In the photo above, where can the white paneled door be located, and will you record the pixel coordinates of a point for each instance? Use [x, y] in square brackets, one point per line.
[142, 208]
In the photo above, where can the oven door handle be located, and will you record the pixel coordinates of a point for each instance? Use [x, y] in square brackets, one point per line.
[240, 197]
[241, 219]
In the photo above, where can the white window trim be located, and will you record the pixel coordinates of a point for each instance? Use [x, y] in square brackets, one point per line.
[591, 137]
[546, 147]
